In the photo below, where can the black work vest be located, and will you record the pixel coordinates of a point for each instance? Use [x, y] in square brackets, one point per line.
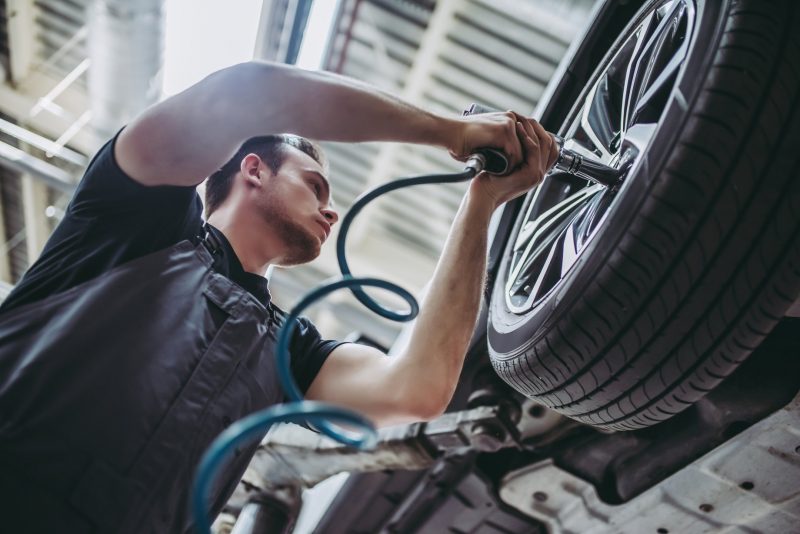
[111, 391]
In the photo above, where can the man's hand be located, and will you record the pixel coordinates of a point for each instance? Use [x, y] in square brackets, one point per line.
[539, 154]
[488, 130]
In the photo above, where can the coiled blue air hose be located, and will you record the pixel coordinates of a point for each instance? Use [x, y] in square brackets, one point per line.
[321, 415]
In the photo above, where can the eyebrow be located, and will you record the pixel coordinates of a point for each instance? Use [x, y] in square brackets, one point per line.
[325, 184]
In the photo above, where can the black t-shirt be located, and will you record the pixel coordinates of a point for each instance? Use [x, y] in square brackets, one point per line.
[113, 219]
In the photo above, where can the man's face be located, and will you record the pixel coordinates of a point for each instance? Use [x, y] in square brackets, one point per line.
[295, 203]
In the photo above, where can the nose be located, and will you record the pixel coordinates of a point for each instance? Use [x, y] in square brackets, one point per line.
[330, 215]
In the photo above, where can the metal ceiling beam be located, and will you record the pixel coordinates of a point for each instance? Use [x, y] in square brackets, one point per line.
[42, 143]
[20, 161]
[16, 103]
[34, 204]
[21, 31]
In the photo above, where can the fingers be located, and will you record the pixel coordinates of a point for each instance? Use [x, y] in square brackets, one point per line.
[545, 140]
[456, 156]
[530, 129]
[506, 131]
[513, 147]
[530, 144]
[532, 170]
[546, 143]
[525, 176]
[534, 129]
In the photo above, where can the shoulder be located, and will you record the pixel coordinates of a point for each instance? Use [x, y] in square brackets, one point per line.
[110, 220]
[106, 189]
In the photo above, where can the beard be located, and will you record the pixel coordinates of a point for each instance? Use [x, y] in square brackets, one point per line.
[302, 245]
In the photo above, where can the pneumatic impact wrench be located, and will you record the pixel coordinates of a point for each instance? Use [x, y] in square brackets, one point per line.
[568, 161]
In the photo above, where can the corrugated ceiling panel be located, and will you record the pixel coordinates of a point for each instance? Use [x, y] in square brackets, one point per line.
[57, 22]
[349, 170]
[388, 73]
[401, 25]
[385, 42]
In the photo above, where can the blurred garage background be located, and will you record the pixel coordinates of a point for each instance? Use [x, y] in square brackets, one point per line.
[75, 71]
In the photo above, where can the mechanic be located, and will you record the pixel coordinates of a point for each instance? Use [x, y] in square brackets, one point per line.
[142, 332]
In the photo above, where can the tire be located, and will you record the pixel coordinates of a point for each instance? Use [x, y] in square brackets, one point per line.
[697, 256]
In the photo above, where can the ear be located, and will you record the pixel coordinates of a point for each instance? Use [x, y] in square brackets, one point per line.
[252, 168]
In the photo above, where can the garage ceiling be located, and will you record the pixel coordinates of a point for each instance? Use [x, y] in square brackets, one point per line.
[440, 55]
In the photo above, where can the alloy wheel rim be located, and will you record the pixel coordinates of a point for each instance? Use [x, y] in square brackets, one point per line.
[613, 123]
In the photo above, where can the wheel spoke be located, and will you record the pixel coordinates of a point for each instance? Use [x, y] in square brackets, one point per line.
[549, 262]
[637, 43]
[530, 263]
[655, 62]
[569, 250]
[649, 61]
[545, 222]
[534, 254]
[590, 218]
[661, 82]
[599, 122]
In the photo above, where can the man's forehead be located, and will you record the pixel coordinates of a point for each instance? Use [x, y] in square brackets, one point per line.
[303, 160]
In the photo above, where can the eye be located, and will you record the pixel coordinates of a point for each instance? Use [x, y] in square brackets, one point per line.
[314, 185]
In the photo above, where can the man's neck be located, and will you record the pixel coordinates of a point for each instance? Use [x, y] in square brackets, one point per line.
[250, 245]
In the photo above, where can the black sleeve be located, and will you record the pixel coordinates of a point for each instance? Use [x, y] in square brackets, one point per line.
[308, 352]
[107, 192]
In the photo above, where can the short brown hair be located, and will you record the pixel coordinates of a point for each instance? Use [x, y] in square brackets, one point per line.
[270, 148]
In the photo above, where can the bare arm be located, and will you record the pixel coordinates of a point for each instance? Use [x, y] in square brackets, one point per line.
[185, 138]
[419, 383]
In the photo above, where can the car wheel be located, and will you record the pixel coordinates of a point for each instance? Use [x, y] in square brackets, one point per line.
[622, 306]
